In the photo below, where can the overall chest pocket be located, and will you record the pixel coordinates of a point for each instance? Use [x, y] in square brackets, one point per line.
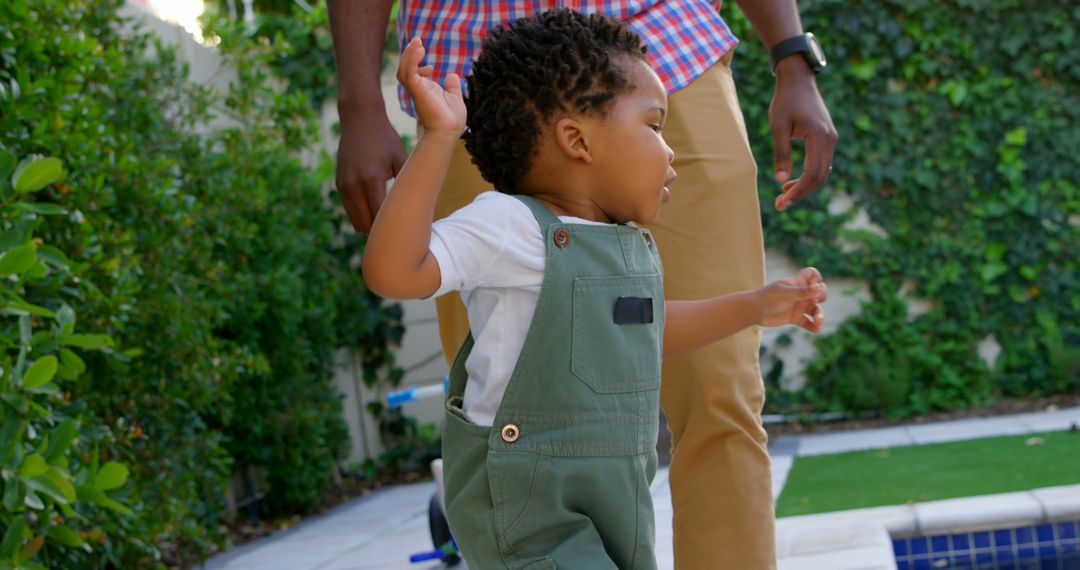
[610, 357]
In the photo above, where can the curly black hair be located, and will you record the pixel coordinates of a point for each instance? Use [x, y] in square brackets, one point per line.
[558, 61]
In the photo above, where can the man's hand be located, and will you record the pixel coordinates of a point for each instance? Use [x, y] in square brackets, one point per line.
[794, 301]
[798, 112]
[370, 153]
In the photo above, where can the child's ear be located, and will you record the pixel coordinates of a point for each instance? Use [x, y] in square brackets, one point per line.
[572, 139]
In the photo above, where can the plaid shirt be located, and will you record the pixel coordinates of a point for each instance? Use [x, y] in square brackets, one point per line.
[684, 37]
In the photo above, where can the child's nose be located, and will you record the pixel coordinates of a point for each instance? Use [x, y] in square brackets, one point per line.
[670, 153]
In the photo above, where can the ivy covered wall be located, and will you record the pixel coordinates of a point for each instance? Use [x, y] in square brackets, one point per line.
[958, 138]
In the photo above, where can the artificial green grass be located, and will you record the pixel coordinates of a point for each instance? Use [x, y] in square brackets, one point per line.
[919, 473]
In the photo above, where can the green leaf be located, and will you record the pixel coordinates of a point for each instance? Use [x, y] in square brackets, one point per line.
[99, 498]
[35, 173]
[43, 208]
[33, 501]
[18, 260]
[23, 306]
[116, 506]
[65, 535]
[60, 439]
[68, 357]
[1016, 137]
[88, 341]
[113, 475]
[33, 465]
[40, 372]
[53, 256]
[7, 164]
[65, 372]
[54, 484]
[14, 494]
[11, 239]
[13, 538]
[47, 388]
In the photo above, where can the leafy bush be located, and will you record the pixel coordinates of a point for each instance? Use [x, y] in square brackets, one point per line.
[206, 249]
[957, 127]
[54, 485]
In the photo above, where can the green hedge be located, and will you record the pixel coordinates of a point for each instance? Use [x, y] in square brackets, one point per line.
[206, 250]
[957, 136]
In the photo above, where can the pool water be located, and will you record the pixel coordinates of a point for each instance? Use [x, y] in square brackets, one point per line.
[1053, 546]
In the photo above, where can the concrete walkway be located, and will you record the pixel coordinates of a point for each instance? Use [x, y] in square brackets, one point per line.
[383, 529]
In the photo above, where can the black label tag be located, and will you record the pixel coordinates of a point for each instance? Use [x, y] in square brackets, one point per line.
[633, 311]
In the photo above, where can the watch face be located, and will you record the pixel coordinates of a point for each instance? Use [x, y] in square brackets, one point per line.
[816, 51]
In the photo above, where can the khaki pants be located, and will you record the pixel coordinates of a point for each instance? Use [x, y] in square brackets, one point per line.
[709, 236]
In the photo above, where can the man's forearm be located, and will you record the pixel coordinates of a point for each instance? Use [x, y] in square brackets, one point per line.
[773, 20]
[358, 28]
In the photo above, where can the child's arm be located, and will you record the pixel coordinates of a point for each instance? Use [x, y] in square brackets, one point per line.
[397, 261]
[693, 324]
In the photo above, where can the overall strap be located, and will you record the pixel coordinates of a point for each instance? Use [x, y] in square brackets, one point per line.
[543, 215]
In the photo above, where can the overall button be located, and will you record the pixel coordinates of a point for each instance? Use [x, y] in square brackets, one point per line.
[562, 237]
[510, 433]
[647, 237]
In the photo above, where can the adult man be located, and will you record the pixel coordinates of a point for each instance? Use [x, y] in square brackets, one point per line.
[720, 470]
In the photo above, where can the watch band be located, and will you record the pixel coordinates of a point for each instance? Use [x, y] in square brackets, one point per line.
[802, 43]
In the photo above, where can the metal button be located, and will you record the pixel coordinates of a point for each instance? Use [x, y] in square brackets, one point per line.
[647, 237]
[510, 433]
[562, 237]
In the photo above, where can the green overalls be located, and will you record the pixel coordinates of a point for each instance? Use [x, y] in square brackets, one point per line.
[562, 478]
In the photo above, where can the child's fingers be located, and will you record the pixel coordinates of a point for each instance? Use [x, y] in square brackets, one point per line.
[453, 84]
[809, 275]
[410, 61]
[813, 319]
[426, 71]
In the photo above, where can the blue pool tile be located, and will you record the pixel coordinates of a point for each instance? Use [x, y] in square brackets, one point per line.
[902, 565]
[1046, 550]
[900, 547]
[919, 545]
[961, 561]
[939, 543]
[1001, 538]
[1005, 555]
[1025, 552]
[984, 557]
[1066, 531]
[1045, 533]
[920, 564]
[1024, 535]
[1006, 566]
[960, 541]
[1049, 564]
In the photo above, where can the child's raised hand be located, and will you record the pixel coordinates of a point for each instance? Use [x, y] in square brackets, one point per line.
[795, 301]
[437, 109]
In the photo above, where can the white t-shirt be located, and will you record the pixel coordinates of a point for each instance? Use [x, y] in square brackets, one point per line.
[492, 250]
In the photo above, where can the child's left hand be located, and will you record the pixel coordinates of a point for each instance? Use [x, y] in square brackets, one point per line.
[795, 301]
[438, 109]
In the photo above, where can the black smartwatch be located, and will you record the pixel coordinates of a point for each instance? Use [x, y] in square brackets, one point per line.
[806, 44]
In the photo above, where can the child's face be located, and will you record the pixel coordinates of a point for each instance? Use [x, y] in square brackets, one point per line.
[631, 161]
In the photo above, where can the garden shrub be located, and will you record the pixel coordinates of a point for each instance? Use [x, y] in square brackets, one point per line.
[958, 138]
[54, 485]
[207, 251]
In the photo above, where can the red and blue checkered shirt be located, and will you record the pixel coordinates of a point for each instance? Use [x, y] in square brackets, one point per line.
[684, 37]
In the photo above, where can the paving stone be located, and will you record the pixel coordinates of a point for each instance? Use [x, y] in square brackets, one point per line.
[1058, 420]
[1059, 503]
[979, 513]
[966, 429]
[826, 443]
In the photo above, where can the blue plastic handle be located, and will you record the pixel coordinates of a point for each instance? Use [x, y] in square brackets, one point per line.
[422, 556]
[397, 399]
